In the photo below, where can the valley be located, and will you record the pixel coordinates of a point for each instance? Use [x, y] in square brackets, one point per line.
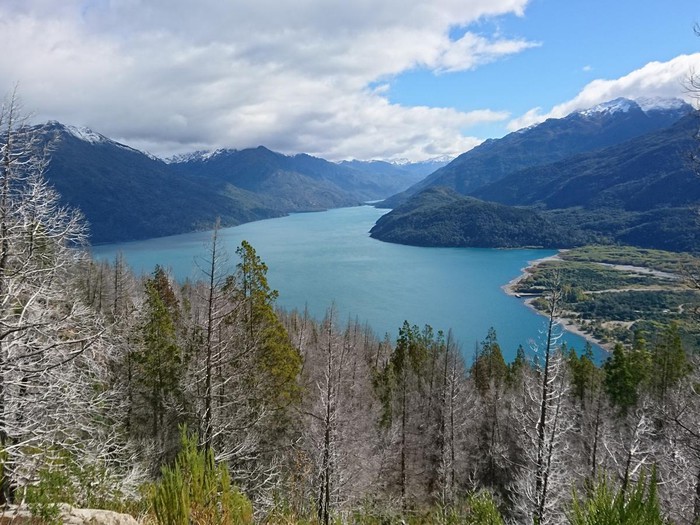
[350, 263]
[126, 194]
[183, 324]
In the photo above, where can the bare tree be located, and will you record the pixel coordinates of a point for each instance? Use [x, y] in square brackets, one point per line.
[52, 350]
[545, 420]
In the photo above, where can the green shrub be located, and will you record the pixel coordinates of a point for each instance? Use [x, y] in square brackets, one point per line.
[54, 487]
[483, 510]
[198, 492]
[607, 506]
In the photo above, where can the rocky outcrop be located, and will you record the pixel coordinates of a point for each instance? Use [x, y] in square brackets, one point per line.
[70, 516]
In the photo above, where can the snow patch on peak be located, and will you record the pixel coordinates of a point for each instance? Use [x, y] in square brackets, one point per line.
[618, 105]
[86, 134]
[662, 104]
[440, 159]
[196, 156]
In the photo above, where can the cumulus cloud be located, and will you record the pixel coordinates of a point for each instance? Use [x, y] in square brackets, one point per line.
[170, 77]
[655, 79]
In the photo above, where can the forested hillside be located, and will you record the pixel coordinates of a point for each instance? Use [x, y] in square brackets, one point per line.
[442, 217]
[199, 402]
[642, 192]
[126, 194]
[554, 140]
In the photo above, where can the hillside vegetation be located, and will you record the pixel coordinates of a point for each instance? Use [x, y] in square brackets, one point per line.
[552, 141]
[614, 292]
[643, 192]
[126, 194]
[200, 402]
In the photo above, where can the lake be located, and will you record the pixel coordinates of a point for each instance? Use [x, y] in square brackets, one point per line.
[316, 259]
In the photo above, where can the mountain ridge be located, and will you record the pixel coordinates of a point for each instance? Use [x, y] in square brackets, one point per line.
[127, 194]
[642, 192]
[550, 141]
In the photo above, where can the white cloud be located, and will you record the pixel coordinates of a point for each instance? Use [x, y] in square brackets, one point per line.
[295, 76]
[474, 50]
[655, 79]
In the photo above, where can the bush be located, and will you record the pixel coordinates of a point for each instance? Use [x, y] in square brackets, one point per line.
[196, 491]
[605, 506]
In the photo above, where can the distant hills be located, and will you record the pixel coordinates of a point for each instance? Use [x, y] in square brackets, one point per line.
[617, 173]
[127, 194]
[441, 217]
[555, 139]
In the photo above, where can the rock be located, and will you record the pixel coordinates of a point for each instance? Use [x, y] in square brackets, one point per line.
[70, 516]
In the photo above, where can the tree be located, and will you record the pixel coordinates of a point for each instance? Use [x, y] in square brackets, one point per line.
[242, 369]
[669, 361]
[455, 413]
[590, 407]
[160, 360]
[53, 357]
[340, 434]
[625, 371]
[278, 362]
[489, 374]
[544, 420]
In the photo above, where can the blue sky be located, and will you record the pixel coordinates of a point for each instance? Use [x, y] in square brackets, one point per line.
[368, 79]
[578, 42]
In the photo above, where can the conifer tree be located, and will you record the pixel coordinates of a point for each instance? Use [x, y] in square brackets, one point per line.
[160, 359]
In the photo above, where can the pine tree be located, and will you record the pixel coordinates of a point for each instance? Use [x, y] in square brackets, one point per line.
[159, 360]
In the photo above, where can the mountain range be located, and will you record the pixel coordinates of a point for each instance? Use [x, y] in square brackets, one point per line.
[619, 172]
[604, 125]
[126, 194]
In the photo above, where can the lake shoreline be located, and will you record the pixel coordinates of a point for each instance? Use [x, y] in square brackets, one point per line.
[569, 324]
[316, 259]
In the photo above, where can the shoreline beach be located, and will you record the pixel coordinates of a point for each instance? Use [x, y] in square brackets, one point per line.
[567, 323]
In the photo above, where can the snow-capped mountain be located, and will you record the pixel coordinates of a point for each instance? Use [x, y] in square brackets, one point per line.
[618, 105]
[553, 140]
[648, 105]
[87, 135]
[128, 194]
[198, 156]
[84, 133]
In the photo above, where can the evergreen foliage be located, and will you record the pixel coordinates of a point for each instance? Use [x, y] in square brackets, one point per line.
[625, 371]
[316, 422]
[160, 360]
[606, 506]
[197, 491]
[277, 360]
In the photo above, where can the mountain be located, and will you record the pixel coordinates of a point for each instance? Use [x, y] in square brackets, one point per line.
[295, 182]
[441, 217]
[127, 194]
[604, 125]
[401, 175]
[651, 171]
[644, 192]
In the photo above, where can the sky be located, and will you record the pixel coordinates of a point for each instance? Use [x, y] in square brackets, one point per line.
[366, 79]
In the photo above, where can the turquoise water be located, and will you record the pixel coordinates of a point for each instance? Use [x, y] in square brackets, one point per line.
[316, 259]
